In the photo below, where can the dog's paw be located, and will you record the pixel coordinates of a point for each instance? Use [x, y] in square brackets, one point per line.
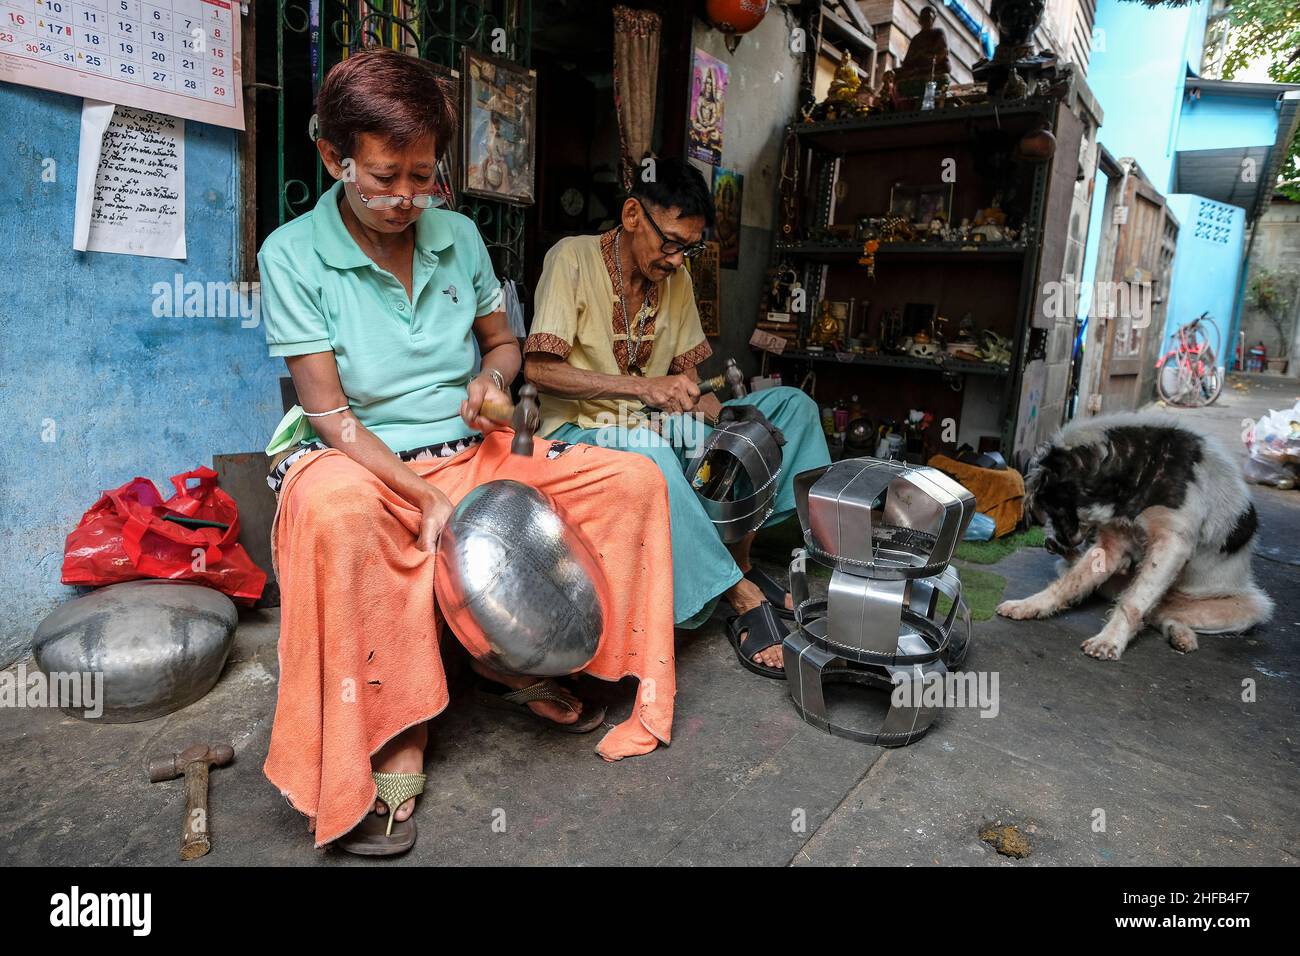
[1103, 648]
[1023, 610]
[1181, 638]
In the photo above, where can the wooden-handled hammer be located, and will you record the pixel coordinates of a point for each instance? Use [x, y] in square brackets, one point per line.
[733, 379]
[193, 762]
[524, 418]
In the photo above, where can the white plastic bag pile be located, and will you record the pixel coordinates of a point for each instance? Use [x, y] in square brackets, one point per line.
[1273, 444]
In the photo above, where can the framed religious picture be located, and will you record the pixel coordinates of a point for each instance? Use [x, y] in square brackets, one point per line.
[498, 119]
[920, 204]
[709, 77]
[706, 281]
[728, 186]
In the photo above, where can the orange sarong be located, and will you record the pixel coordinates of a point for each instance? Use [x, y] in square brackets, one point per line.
[359, 630]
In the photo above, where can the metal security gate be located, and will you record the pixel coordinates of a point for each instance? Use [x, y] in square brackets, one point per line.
[297, 41]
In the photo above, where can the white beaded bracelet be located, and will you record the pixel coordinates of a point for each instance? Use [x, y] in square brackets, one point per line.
[332, 411]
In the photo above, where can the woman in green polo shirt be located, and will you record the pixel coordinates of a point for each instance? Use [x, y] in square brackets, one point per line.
[378, 303]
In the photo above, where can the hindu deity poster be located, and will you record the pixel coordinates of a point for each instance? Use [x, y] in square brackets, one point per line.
[708, 97]
[727, 191]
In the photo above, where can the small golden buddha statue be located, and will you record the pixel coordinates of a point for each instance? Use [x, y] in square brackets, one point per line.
[828, 329]
[844, 87]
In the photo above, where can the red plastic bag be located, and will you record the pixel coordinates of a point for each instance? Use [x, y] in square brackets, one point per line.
[126, 535]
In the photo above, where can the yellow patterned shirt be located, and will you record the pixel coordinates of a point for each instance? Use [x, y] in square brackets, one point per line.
[577, 317]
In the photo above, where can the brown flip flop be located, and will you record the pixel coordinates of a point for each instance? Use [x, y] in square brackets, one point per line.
[382, 834]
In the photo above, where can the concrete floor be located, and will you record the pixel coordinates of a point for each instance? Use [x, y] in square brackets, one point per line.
[1155, 759]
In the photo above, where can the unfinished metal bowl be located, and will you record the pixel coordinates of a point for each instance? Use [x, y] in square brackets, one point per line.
[885, 622]
[159, 645]
[519, 584]
[743, 462]
[882, 519]
[810, 668]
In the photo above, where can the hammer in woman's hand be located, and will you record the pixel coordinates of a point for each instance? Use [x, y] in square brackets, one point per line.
[524, 418]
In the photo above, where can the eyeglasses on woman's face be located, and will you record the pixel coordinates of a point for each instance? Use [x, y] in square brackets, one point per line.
[670, 247]
[419, 200]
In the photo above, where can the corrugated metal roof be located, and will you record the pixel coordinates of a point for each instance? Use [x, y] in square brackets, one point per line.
[1219, 173]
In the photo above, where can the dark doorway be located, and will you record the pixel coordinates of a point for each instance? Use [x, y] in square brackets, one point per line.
[578, 188]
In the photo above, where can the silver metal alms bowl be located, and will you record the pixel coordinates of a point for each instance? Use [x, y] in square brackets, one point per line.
[518, 583]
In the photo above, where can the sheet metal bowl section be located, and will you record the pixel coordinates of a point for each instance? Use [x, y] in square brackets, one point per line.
[882, 519]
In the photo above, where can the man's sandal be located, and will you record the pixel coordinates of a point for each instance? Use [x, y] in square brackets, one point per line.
[383, 834]
[764, 630]
[546, 689]
[773, 592]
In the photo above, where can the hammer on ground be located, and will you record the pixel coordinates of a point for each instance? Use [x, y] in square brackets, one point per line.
[193, 762]
[524, 418]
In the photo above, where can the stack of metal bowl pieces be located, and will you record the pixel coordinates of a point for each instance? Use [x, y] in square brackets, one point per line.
[894, 617]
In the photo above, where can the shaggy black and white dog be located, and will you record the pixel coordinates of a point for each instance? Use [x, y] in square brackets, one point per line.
[1154, 516]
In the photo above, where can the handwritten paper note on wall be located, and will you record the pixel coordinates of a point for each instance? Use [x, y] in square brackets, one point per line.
[130, 182]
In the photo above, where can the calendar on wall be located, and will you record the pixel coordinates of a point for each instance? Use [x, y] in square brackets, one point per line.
[180, 57]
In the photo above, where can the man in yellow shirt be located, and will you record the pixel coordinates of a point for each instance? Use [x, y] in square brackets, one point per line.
[616, 331]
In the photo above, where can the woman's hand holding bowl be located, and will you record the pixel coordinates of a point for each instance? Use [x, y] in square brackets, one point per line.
[435, 510]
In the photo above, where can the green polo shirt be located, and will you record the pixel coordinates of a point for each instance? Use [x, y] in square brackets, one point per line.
[404, 363]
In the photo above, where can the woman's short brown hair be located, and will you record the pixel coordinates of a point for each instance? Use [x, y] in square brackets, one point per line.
[393, 95]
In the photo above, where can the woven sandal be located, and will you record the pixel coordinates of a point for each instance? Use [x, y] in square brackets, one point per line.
[517, 701]
[385, 835]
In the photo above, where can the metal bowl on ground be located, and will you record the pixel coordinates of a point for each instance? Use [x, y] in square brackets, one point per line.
[518, 583]
[159, 646]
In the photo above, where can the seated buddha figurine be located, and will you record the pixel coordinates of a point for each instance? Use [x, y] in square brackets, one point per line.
[844, 87]
[926, 60]
[842, 97]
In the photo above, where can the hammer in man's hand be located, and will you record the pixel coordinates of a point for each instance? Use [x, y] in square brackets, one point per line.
[193, 762]
[524, 418]
[733, 380]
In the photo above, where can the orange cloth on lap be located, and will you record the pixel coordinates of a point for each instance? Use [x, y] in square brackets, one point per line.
[359, 631]
[998, 494]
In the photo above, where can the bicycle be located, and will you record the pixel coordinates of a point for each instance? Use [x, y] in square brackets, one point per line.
[1188, 374]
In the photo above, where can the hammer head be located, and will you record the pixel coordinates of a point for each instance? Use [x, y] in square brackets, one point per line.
[173, 765]
[527, 418]
[735, 378]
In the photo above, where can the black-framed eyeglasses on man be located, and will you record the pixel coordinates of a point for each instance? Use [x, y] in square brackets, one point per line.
[670, 247]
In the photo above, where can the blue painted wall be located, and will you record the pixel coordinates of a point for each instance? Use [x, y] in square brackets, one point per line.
[1140, 80]
[1207, 266]
[1217, 120]
[1139, 60]
[1137, 73]
[127, 393]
